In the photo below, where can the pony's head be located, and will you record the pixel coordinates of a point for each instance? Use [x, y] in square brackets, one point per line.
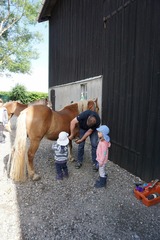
[10, 106]
[92, 105]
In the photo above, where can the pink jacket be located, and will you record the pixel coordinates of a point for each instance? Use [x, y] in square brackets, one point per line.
[102, 152]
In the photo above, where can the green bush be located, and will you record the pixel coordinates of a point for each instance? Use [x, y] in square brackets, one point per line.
[5, 96]
[32, 96]
[19, 93]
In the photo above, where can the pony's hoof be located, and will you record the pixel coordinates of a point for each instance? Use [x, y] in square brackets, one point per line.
[36, 177]
[72, 159]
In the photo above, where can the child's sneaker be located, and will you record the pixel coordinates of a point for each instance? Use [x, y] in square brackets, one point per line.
[59, 177]
[66, 175]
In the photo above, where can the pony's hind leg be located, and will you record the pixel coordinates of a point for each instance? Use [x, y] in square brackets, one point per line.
[31, 153]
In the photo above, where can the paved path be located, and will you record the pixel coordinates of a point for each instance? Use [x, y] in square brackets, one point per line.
[9, 219]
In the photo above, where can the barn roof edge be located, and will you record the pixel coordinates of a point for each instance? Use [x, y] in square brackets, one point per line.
[45, 12]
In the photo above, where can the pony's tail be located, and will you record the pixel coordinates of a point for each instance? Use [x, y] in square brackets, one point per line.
[18, 153]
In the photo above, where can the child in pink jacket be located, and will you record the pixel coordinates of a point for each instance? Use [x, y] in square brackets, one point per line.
[102, 154]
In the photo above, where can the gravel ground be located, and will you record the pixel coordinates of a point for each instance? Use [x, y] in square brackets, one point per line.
[72, 208]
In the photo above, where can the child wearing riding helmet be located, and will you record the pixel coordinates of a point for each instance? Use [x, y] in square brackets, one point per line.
[102, 154]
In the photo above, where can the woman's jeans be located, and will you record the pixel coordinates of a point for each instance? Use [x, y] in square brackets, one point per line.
[94, 143]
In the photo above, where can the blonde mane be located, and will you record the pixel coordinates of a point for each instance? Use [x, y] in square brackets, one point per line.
[82, 105]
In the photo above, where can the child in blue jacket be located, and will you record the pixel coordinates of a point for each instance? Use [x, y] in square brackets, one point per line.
[61, 155]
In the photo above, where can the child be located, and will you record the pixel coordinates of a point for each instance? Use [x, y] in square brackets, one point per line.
[3, 120]
[102, 154]
[61, 155]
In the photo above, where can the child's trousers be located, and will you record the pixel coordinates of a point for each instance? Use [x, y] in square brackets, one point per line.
[61, 169]
[102, 171]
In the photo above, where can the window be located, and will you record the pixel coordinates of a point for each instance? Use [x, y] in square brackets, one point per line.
[83, 91]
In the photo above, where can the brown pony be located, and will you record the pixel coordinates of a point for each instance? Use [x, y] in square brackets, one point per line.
[36, 122]
[15, 108]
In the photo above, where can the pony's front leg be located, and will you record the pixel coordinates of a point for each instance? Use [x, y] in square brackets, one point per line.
[31, 153]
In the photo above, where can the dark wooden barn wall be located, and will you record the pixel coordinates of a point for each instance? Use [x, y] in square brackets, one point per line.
[132, 39]
[76, 36]
[120, 40]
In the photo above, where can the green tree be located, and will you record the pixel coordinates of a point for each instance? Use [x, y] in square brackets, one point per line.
[19, 93]
[17, 40]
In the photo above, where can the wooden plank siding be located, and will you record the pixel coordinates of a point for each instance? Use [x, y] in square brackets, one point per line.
[132, 65]
[120, 40]
[75, 41]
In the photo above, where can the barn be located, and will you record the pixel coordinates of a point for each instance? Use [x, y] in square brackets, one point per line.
[110, 49]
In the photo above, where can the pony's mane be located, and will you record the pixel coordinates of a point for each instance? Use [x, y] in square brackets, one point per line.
[82, 105]
[10, 102]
